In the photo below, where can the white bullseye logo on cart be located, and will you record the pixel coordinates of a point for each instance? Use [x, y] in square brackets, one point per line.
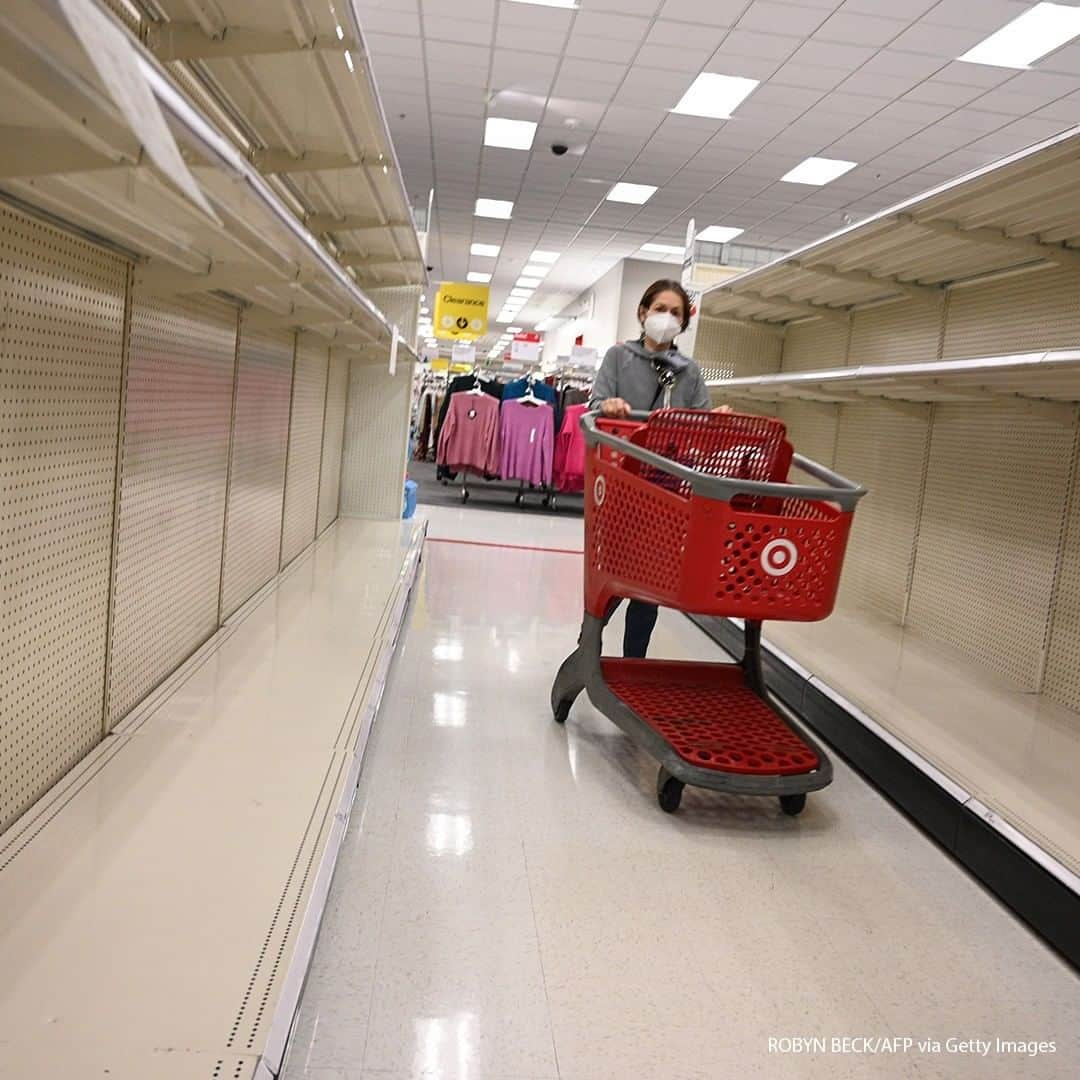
[599, 490]
[778, 557]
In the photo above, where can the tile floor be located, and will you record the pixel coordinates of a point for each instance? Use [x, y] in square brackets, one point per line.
[511, 903]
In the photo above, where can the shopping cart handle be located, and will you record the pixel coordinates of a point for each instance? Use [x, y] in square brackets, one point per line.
[838, 490]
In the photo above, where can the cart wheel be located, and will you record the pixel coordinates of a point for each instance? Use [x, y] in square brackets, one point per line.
[546, 501]
[562, 711]
[792, 805]
[464, 496]
[668, 791]
[517, 499]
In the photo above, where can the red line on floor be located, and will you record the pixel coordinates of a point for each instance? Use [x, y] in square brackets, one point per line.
[512, 547]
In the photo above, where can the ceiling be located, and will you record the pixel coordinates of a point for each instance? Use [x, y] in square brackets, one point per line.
[872, 81]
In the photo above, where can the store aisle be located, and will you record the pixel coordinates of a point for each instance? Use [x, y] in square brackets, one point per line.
[511, 903]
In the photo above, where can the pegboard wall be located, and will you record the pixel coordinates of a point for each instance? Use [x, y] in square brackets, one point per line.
[1063, 651]
[1023, 313]
[814, 345]
[337, 389]
[401, 305]
[257, 464]
[990, 531]
[376, 439]
[734, 349]
[905, 332]
[305, 446]
[884, 445]
[811, 428]
[175, 459]
[61, 356]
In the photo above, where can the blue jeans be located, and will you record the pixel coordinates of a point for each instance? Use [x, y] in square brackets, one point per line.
[640, 620]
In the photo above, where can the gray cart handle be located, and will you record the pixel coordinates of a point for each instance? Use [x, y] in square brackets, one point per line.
[839, 490]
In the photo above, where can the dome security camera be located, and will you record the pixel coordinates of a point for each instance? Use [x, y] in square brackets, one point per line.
[558, 149]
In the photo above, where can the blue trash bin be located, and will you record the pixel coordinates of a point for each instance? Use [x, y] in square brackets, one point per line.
[410, 499]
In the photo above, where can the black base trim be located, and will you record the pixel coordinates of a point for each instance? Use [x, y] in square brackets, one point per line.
[1049, 907]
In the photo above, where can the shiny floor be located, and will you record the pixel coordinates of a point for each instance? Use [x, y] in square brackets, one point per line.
[511, 903]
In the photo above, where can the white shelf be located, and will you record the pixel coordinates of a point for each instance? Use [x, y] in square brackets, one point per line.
[1048, 376]
[78, 162]
[1020, 212]
[161, 901]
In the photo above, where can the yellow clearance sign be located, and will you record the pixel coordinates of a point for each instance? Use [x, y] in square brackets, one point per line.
[461, 311]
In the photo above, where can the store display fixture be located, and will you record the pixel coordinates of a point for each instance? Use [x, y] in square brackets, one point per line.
[197, 378]
[935, 349]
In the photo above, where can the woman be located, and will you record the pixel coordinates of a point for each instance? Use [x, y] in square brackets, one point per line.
[643, 375]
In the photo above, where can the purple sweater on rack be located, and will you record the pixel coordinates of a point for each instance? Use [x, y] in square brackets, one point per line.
[527, 436]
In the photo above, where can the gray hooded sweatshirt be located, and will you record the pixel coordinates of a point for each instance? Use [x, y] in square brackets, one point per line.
[629, 371]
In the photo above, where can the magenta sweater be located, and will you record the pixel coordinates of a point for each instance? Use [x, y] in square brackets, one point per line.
[527, 434]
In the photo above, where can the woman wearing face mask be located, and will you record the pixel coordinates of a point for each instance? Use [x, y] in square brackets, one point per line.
[651, 373]
[644, 375]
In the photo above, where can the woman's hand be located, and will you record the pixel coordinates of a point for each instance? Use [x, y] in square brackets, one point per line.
[614, 408]
[723, 409]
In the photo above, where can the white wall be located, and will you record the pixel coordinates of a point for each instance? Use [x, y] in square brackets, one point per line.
[638, 275]
[601, 331]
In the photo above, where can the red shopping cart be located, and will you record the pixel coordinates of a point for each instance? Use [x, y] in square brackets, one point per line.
[694, 511]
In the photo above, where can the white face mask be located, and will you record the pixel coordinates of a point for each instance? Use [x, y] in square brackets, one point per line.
[662, 327]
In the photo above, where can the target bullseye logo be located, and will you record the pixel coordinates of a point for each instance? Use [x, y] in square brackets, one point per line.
[599, 490]
[778, 557]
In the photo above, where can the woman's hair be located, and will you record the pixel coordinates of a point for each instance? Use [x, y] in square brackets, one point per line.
[666, 285]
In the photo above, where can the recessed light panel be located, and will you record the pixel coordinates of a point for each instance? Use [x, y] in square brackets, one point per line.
[719, 234]
[1036, 32]
[494, 208]
[818, 171]
[528, 282]
[489, 251]
[663, 249]
[631, 193]
[715, 96]
[544, 257]
[509, 134]
[480, 279]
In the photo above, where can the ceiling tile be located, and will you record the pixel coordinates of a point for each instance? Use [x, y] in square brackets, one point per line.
[912, 8]
[857, 29]
[767, 16]
[592, 71]
[689, 57]
[465, 31]
[481, 10]
[835, 56]
[984, 17]
[391, 22]
[469, 60]
[665, 32]
[942, 41]
[538, 18]
[386, 45]
[808, 77]
[616, 50]
[620, 26]
[530, 39]
[752, 43]
[644, 8]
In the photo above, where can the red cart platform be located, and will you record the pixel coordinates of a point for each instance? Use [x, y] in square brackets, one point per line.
[694, 511]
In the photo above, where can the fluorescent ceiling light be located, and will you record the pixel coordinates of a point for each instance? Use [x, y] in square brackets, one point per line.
[496, 208]
[1040, 30]
[489, 251]
[718, 234]
[544, 256]
[572, 4]
[818, 171]
[529, 282]
[480, 279]
[716, 96]
[663, 249]
[510, 134]
[513, 329]
[631, 193]
[536, 270]
[522, 294]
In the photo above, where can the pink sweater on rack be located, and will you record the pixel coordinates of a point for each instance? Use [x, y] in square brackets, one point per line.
[528, 438]
[470, 434]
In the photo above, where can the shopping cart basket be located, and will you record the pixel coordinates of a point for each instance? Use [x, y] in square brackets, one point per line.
[693, 511]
